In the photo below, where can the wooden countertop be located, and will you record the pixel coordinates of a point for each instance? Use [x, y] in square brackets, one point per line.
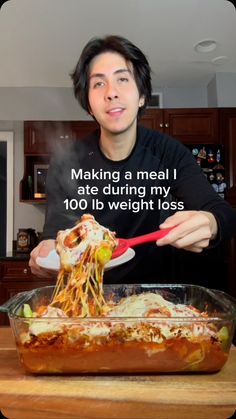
[199, 396]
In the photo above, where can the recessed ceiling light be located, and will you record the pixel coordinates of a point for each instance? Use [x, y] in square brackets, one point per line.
[207, 45]
[222, 59]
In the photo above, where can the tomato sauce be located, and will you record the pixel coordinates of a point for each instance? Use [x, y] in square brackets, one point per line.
[174, 355]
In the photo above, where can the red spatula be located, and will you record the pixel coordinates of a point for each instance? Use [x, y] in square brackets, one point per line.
[124, 244]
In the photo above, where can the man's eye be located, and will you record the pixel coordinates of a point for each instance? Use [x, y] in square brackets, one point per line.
[123, 79]
[98, 84]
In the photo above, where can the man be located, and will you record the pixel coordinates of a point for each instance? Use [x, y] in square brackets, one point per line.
[143, 169]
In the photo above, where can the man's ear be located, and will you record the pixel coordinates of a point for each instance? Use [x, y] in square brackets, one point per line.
[141, 101]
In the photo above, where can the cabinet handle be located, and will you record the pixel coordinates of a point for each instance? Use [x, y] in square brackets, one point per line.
[25, 271]
[33, 137]
[62, 137]
[161, 125]
[166, 125]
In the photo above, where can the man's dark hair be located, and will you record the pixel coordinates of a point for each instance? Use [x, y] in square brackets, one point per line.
[120, 45]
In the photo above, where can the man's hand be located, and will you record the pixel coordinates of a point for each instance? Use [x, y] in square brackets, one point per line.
[193, 230]
[42, 250]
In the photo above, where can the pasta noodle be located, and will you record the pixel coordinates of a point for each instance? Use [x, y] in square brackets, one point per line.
[84, 250]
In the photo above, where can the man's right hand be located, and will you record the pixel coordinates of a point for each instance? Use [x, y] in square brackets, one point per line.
[42, 250]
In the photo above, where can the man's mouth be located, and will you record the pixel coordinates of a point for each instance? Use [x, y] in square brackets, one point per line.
[115, 111]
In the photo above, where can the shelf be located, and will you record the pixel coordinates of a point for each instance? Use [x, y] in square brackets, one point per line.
[33, 201]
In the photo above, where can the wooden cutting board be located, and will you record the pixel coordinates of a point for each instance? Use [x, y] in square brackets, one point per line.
[199, 396]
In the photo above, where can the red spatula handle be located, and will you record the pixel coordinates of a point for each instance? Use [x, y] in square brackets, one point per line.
[150, 237]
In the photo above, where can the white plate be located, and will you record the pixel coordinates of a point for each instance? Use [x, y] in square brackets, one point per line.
[52, 261]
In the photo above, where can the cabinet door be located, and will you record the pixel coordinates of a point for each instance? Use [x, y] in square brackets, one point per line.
[15, 277]
[41, 137]
[38, 137]
[72, 130]
[228, 135]
[192, 125]
[153, 118]
[82, 129]
[15, 269]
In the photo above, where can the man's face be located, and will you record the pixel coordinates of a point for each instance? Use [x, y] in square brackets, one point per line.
[113, 94]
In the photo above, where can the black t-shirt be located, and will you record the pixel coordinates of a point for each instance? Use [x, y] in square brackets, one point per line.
[132, 196]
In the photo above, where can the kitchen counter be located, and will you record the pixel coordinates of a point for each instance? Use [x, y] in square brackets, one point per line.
[15, 256]
[199, 396]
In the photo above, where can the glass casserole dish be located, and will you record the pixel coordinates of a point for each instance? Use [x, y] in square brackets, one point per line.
[162, 341]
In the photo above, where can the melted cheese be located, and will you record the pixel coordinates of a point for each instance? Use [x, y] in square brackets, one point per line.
[72, 243]
[140, 306]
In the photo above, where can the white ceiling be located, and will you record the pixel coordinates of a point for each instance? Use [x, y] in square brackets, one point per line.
[41, 40]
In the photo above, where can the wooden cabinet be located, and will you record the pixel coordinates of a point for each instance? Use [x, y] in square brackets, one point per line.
[40, 137]
[40, 140]
[15, 277]
[228, 134]
[154, 119]
[81, 129]
[191, 126]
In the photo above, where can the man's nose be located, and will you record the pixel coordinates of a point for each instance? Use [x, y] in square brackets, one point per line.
[111, 92]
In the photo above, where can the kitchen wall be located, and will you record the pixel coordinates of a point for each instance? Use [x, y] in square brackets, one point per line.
[221, 91]
[212, 98]
[191, 97]
[226, 89]
[39, 103]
